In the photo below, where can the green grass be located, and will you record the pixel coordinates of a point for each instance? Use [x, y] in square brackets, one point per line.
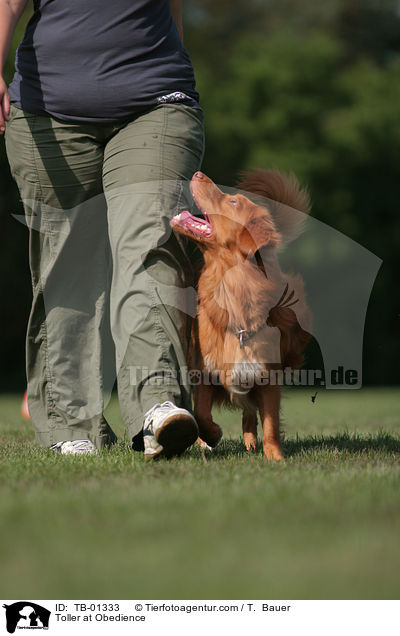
[326, 524]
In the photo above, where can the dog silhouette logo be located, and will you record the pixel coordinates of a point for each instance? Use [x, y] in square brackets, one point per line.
[26, 615]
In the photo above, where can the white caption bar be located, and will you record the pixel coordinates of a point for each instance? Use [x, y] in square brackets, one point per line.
[93, 617]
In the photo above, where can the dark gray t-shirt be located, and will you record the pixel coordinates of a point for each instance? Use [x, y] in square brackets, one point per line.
[101, 60]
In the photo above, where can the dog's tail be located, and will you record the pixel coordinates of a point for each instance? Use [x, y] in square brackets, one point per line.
[277, 186]
[283, 189]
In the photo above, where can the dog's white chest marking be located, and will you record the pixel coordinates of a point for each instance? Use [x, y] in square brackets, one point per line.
[244, 376]
[238, 378]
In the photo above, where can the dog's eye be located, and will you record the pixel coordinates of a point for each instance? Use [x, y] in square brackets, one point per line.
[233, 201]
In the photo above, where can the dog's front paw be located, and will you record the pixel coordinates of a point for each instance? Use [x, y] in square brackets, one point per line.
[203, 445]
[273, 452]
[210, 433]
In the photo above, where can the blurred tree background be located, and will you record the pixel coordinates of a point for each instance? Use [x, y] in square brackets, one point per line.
[310, 87]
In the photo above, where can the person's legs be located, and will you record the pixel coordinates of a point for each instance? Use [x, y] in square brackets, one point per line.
[147, 166]
[58, 169]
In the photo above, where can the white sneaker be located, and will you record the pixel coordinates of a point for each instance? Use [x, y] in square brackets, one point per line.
[76, 447]
[168, 430]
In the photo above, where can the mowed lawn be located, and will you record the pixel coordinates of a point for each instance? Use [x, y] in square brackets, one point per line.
[225, 525]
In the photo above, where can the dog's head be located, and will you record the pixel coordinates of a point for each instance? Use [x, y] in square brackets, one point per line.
[230, 221]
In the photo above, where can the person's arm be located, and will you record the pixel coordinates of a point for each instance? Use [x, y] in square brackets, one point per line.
[176, 10]
[10, 13]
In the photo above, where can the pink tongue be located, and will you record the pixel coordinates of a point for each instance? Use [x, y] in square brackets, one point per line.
[196, 224]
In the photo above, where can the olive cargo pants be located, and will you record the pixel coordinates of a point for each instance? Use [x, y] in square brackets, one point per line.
[112, 293]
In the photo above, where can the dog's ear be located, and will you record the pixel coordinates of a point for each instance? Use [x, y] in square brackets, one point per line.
[258, 233]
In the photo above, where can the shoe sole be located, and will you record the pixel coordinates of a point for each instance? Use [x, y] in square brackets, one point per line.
[67, 449]
[176, 435]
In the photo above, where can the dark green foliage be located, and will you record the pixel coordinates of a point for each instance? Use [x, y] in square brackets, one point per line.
[306, 87]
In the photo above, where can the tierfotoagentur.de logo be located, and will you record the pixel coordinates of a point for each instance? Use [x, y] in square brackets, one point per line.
[26, 615]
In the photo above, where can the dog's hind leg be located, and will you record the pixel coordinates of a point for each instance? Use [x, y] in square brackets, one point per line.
[268, 402]
[249, 427]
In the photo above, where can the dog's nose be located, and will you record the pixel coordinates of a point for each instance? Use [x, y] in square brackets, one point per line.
[199, 175]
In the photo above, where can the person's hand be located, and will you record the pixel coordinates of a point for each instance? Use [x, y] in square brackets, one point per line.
[4, 105]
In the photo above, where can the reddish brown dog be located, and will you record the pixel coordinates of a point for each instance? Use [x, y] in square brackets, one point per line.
[245, 325]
